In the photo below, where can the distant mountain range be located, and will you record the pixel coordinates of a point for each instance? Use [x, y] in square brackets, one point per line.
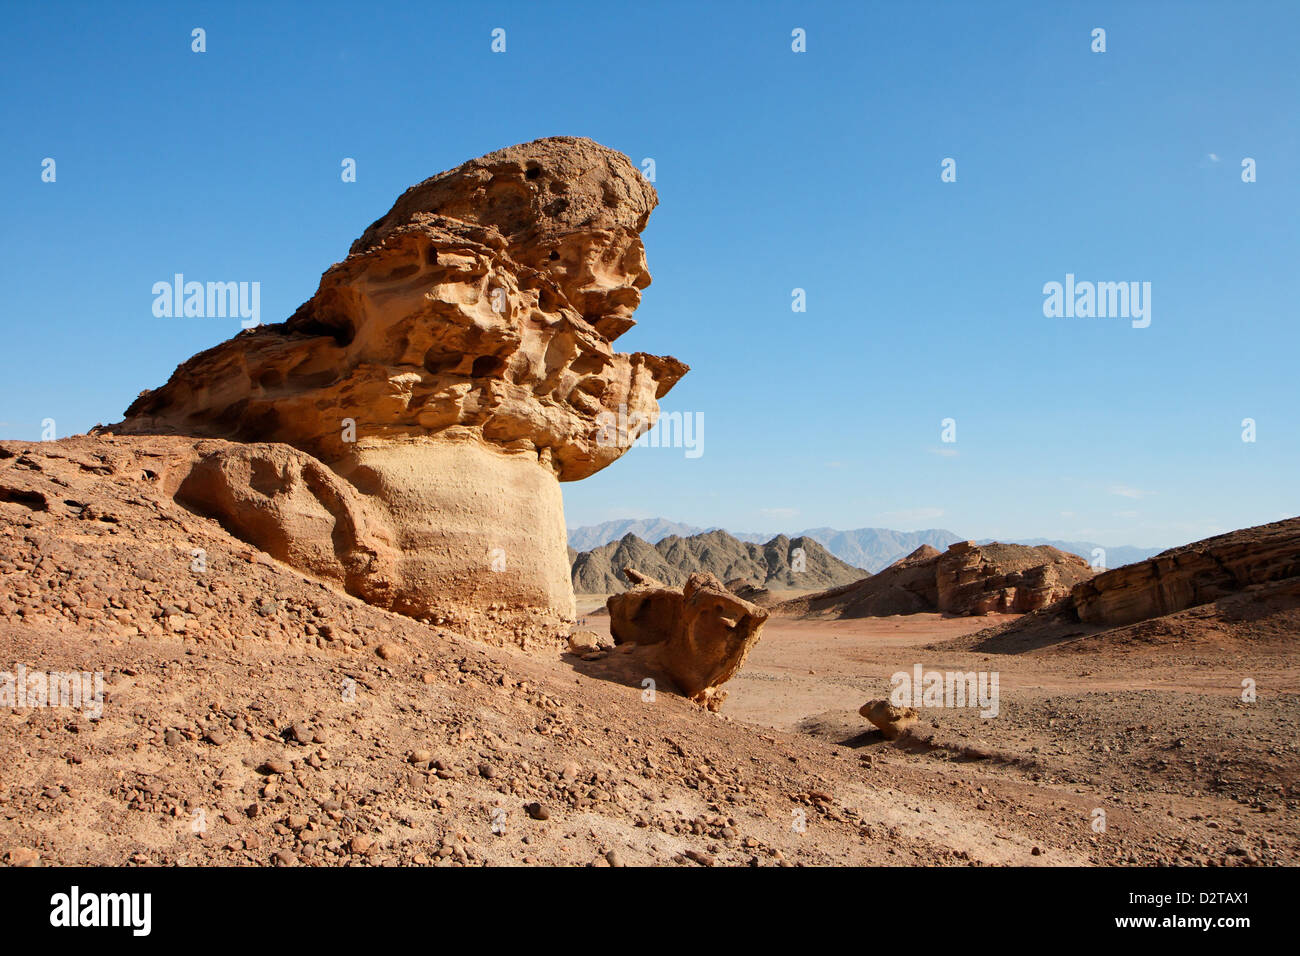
[652, 530]
[779, 564]
[870, 548]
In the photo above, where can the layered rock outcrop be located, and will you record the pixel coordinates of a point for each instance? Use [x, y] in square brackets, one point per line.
[701, 631]
[1194, 574]
[1004, 578]
[442, 381]
[967, 579]
[1238, 590]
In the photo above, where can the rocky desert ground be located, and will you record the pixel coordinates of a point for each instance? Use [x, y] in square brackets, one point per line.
[254, 715]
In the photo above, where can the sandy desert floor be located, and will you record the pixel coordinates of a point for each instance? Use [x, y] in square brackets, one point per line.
[1160, 740]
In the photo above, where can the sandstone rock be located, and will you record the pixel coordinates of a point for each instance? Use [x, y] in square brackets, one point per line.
[297, 510]
[749, 591]
[301, 733]
[701, 633]
[892, 721]
[644, 615]
[442, 381]
[641, 580]
[275, 765]
[1194, 574]
[1005, 578]
[23, 856]
[967, 579]
[588, 642]
[361, 844]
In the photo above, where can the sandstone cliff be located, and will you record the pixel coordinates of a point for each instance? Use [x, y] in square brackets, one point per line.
[1240, 589]
[1193, 574]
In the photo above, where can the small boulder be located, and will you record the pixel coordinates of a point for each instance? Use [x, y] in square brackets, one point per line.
[23, 856]
[892, 721]
[701, 631]
[588, 642]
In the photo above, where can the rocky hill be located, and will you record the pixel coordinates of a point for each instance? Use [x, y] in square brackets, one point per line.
[1240, 585]
[966, 579]
[779, 564]
[871, 548]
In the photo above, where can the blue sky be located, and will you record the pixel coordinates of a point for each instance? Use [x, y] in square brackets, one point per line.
[776, 170]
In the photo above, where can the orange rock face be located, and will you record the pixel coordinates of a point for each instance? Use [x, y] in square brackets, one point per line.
[966, 579]
[443, 379]
[1005, 578]
[1194, 574]
[702, 631]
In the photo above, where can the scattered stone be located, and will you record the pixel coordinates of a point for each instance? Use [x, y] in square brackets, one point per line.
[361, 845]
[588, 642]
[276, 765]
[892, 721]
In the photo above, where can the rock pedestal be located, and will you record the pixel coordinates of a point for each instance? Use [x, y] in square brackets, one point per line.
[442, 381]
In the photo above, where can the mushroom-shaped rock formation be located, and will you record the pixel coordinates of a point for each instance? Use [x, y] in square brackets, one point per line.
[442, 381]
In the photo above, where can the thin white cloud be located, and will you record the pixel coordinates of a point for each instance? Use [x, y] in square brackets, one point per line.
[945, 452]
[1124, 491]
